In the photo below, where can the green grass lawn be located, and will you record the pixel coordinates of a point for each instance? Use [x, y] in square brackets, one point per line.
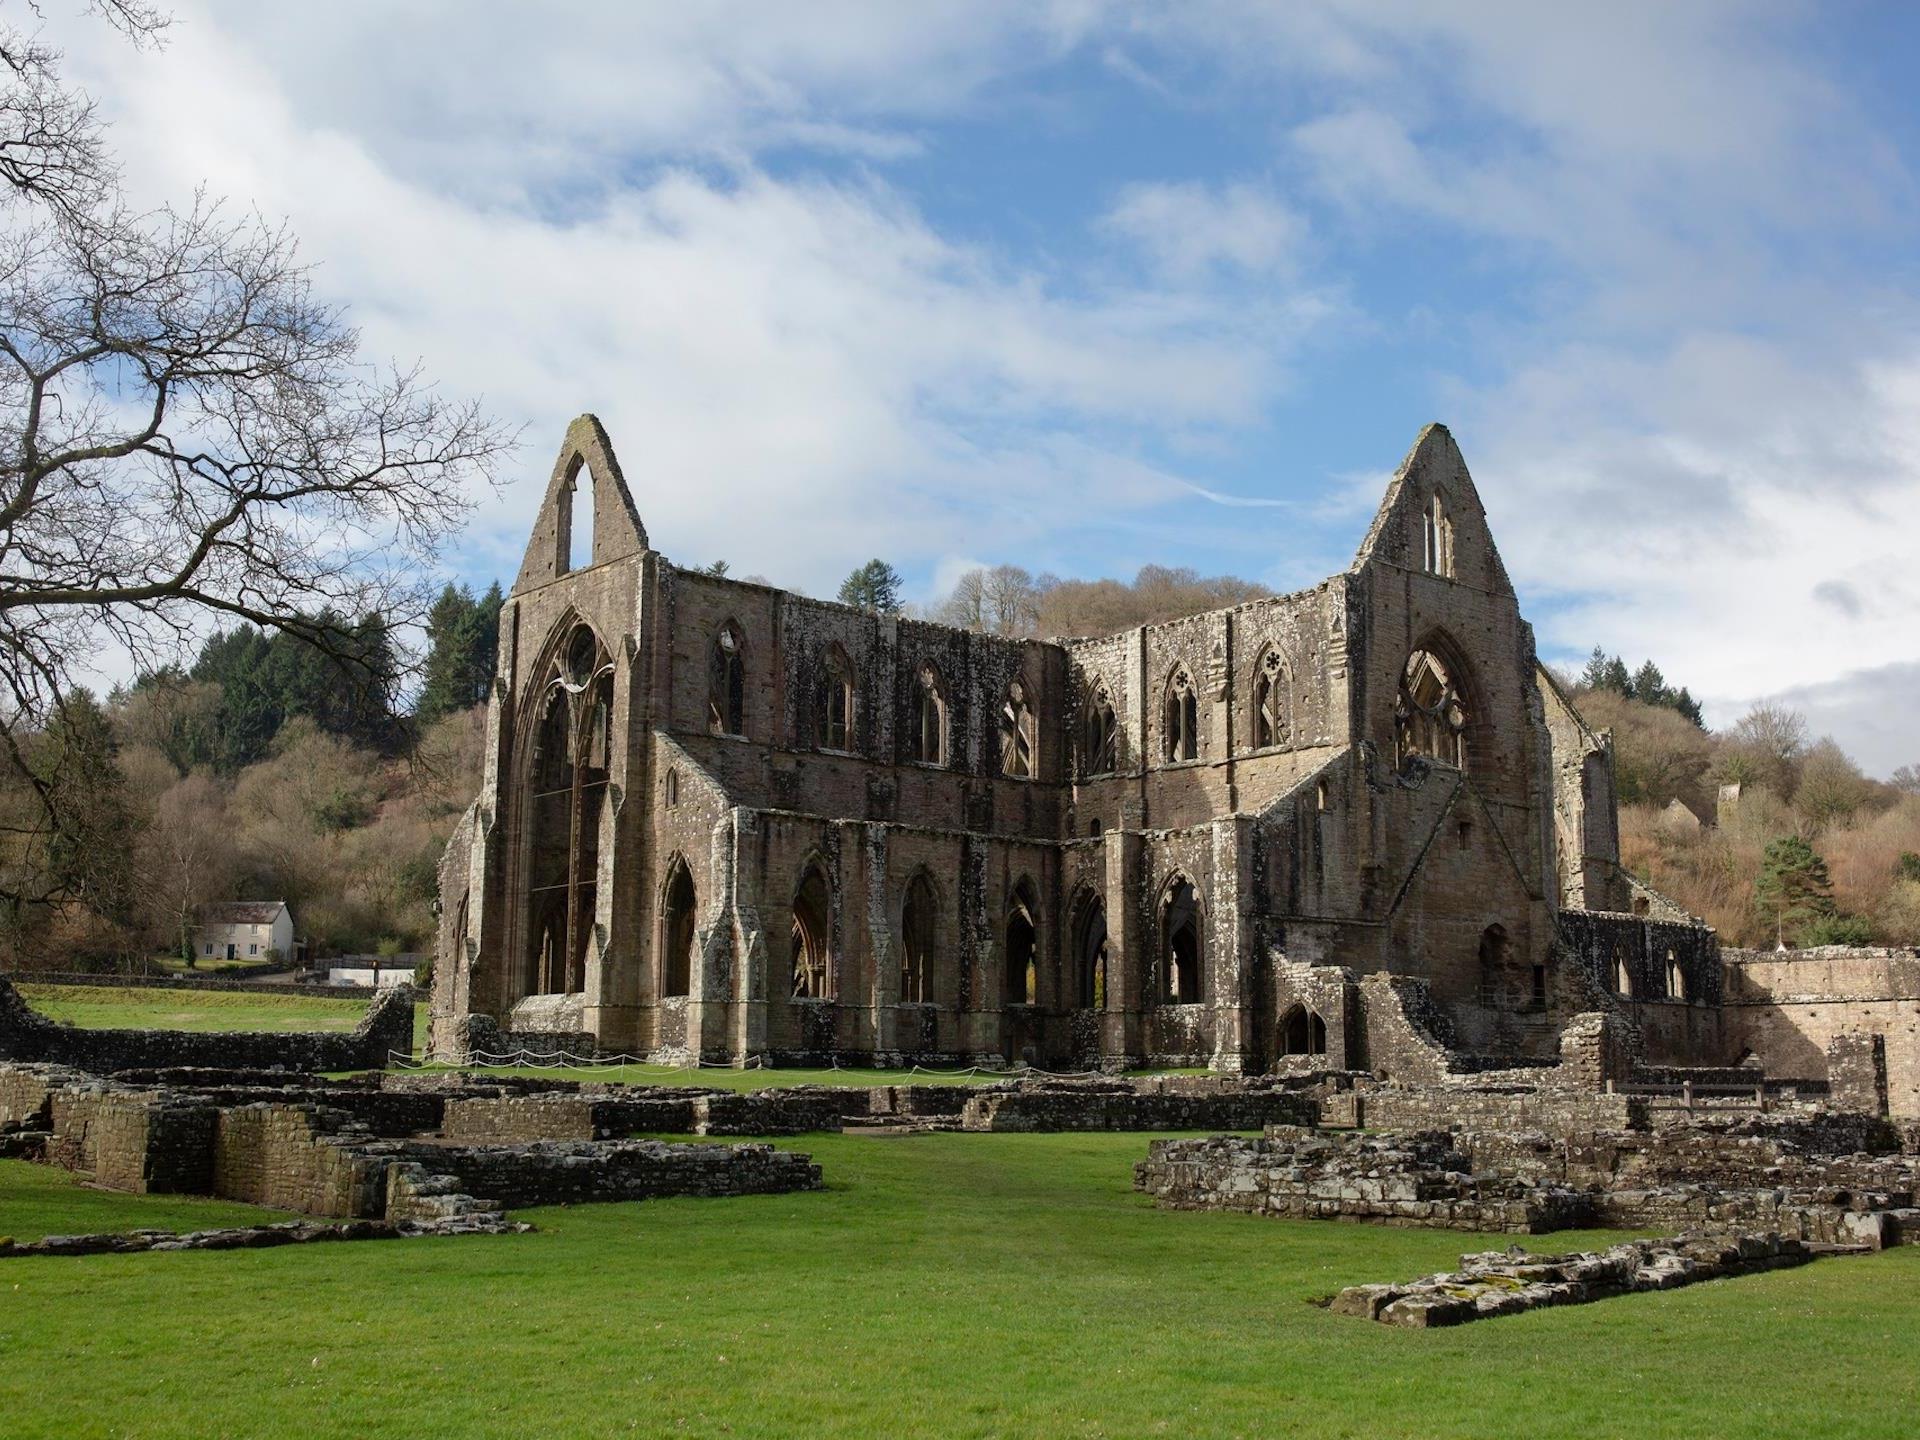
[37, 1200]
[101, 1007]
[944, 1285]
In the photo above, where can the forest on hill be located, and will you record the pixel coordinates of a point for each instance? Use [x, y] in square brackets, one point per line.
[1783, 838]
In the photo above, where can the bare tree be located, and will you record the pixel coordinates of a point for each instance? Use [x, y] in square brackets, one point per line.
[189, 433]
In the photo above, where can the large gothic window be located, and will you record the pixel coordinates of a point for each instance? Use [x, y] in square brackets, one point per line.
[568, 755]
[813, 977]
[927, 725]
[1100, 742]
[835, 701]
[1181, 952]
[1180, 732]
[1016, 733]
[676, 932]
[727, 684]
[1271, 702]
[1432, 715]
[919, 939]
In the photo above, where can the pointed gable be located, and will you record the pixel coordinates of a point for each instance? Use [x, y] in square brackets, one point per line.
[614, 522]
[1431, 519]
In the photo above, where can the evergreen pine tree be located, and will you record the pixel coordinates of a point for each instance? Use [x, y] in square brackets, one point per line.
[873, 586]
[1793, 889]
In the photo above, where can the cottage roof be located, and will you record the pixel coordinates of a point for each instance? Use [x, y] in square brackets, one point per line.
[241, 912]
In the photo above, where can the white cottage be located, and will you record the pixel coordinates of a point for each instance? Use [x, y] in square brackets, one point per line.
[245, 930]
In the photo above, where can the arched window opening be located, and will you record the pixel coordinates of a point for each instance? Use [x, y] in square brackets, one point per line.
[1622, 977]
[835, 702]
[1100, 744]
[578, 542]
[1272, 703]
[1023, 950]
[672, 788]
[1180, 946]
[1676, 978]
[1494, 948]
[569, 753]
[1090, 954]
[927, 726]
[1436, 538]
[1180, 737]
[1094, 829]
[727, 683]
[1016, 733]
[813, 938]
[1431, 715]
[676, 933]
[1303, 1032]
[919, 938]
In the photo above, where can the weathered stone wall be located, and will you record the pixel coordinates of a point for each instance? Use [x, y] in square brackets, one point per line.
[578, 1172]
[1784, 1009]
[1096, 1106]
[28, 1035]
[1556, 1111]
[298, 1157]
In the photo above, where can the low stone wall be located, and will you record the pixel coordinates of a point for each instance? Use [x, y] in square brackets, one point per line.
[1418, 1180]
[558, 1172]
[130, 1141]
[1510, 1282]
[568, 1116]
[27, 1035]
[1557, 1112]
[1104, 1106]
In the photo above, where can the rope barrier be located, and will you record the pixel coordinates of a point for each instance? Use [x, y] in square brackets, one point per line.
[524, 1059]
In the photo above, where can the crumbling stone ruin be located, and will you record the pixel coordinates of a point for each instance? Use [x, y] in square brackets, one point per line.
[386, 1030]
[1508, 1282]
[727, 823]
[367, 1149]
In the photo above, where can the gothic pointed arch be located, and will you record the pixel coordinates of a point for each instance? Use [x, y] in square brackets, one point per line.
[1017, 732]
[1179, 968]
[1099, 733]
[564, 749]
[1090, 947]
[1271, 700]
[1021, 951]
[727, 681]
[679, 904]
[927, 716]
[1180, 716]
[1435, 710]
[836, 701]
[815, 972]
[920, 942]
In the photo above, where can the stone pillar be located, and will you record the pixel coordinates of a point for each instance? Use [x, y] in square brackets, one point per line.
[1127, 945]
[1231, 957]
[883, 991]
[1857, 1071]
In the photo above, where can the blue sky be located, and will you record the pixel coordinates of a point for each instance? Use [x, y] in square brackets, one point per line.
[1081, 286]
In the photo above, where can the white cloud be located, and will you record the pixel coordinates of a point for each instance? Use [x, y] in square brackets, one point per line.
[1187, 227]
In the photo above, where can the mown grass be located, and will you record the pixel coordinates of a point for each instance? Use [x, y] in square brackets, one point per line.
[37, 1200]
[102, 1007]
[946, 1285]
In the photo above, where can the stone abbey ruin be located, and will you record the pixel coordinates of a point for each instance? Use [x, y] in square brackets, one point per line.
[1350, 851]
[728, 823]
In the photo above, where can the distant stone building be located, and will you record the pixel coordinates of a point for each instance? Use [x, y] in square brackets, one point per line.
[244, 930]
[725, 821]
